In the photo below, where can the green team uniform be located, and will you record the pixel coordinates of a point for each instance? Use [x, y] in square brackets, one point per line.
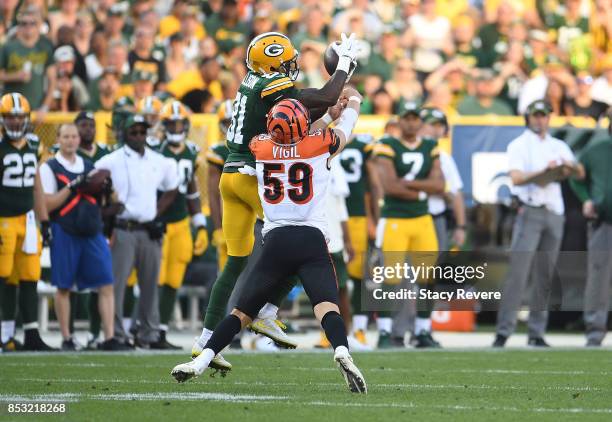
[217, 155]
[17, 173]
[98, 152]
[256, 96]
[596, 185]
[14, 57]
[353, 159]
[187, 161]
[410, 164]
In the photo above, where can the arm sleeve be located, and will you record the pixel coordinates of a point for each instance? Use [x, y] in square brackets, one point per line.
[451, 174]
[581, 187]
[567, 153]
[47, 179]
[170, 180]
[515, 158]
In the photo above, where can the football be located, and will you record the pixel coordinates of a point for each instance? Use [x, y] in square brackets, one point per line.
[330, 58]
[95, 181]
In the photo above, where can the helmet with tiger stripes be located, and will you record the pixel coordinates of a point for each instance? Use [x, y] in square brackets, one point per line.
[288, 122]
[14, 115]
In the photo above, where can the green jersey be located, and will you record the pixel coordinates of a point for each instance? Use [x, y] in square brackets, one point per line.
[187, 162]
[596, 185]
[256, 96]
[14, 56]
[353, 159]
[17, 173]
[98, 152]
[410, 164]
[217, 155]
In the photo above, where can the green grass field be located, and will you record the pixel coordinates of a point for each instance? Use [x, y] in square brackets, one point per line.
[441, 385]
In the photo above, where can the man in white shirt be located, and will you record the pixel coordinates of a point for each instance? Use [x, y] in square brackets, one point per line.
[79, 251]
[137, 173]
[538, 226]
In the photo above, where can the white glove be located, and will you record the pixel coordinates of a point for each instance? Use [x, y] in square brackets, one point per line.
[347, 52]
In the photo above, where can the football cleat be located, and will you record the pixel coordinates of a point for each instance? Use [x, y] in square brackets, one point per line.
[34, 343]
[273, 329]
[186, 371]
[355, 344]
[264, 344]
[384, 340]
[352, 376]
[323, 342]
[11, 345]
[217, 363]
[424, 340]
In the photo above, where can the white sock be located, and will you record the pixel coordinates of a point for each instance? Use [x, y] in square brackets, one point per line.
[341, 350]
[360, 322]
[384, 324]
[268, 311]
[202, 361]
[163, 327]
[127, 324]
[205, 336]
[422, 324]
[8, 330]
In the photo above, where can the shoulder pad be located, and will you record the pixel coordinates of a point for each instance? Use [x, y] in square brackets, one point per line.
[193, 147]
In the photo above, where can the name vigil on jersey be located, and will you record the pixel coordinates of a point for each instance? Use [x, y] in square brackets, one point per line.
[285, 152]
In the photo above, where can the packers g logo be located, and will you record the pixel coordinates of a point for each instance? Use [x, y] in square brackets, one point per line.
[274, 50]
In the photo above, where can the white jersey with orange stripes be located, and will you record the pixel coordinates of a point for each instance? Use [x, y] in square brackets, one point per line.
[293, 179]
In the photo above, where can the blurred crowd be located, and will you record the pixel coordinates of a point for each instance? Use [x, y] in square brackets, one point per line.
[466, 57]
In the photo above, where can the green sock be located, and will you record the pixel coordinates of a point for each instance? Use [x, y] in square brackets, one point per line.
[128, 302]
[222, 290]
[8, 300]
[284, 290]
[94, 315]
[167, 297]
[356, 296]
[424, 306]
[28, 301]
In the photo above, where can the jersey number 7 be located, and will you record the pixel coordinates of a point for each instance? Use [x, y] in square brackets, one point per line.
[299, 177]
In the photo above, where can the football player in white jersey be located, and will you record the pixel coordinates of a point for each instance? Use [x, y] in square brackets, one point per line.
[293, 173]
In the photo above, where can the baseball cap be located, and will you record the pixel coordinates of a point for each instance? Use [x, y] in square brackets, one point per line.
[118, 9]
[84, 115]
[538, 106]
[64, 53]
[433, 115]
[135, 119]
[410, 107]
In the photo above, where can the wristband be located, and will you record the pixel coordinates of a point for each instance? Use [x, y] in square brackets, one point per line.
[193, 195]
[422, 195]
[327, 119]
[344, 64]
[198, 220]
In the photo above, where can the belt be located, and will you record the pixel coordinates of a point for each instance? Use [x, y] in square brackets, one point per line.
[130, 225]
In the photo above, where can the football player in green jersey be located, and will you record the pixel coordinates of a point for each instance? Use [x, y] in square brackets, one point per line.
[21, 198]
[272, 63]
[178, 246]
[409, 170]
[91, 150]
[362, 206]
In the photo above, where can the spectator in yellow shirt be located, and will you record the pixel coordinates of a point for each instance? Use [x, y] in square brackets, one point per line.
[206, 76]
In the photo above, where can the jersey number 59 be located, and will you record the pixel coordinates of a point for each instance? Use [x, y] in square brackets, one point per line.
[299, 177]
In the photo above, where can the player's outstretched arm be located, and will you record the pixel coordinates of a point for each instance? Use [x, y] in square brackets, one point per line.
[318, 100]
[348, 118]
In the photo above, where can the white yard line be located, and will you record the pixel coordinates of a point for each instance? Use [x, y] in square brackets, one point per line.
[228, 382]
[182, 396]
